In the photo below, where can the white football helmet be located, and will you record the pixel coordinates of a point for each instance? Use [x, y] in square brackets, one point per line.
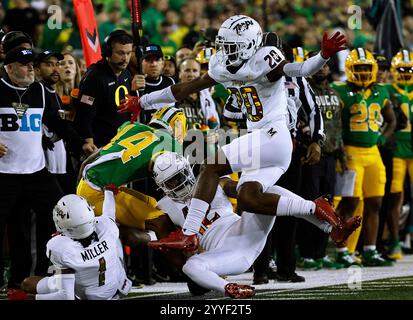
[173, 174]
[74, 217]
[239, 37]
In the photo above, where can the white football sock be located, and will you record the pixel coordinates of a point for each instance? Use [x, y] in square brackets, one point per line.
[369, 248]
[323, 225]
[294, 207]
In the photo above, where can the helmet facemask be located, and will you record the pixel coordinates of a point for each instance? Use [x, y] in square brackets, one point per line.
[404, 75]
[230, 51]
[173, 174]
[363, 73]
[179, 186]
[361, 67]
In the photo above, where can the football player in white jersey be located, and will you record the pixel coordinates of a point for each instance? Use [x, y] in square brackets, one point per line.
[254, 75]
[86, 254]
[231, 243]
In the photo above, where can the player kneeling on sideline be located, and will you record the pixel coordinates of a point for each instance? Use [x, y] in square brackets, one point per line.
[231, 242]
[86, 253]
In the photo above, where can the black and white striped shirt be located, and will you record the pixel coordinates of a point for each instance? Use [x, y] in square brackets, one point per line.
[302, 105]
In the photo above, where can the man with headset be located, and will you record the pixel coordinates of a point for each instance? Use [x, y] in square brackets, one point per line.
[104, 85]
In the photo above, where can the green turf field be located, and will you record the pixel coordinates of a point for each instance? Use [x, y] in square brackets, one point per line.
[382, 289]
[379, 283]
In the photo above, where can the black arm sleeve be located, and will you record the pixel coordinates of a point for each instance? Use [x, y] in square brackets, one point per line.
[86, 105]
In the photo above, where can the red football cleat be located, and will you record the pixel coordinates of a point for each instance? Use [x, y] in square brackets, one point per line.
[339, 236]
[239, 291]
[177, 240]
[16, 294]
[324, 211]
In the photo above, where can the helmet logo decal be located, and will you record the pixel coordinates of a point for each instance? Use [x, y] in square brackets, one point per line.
[60, 213]
[242, 26]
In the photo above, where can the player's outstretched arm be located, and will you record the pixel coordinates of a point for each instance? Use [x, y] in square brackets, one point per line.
[109, 204]
[89, 159]
[329, 47]
[184, 89]
[168, 95]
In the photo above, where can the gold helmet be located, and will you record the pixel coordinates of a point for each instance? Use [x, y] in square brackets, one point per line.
[361, 67]
[171, 119]
[402, 67]
[300, 54]
[205, 54]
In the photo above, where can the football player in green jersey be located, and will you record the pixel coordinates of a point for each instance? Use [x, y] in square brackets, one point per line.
[365, 104]
[401, 93]
[129, 157]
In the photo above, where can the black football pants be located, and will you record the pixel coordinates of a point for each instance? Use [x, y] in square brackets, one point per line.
[21, 193]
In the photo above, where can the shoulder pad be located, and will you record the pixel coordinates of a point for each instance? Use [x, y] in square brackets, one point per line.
[268, 58]
[55, 250]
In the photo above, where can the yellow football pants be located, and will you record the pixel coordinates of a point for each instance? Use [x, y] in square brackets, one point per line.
[370, 171]
[400, 166]
[132, 207]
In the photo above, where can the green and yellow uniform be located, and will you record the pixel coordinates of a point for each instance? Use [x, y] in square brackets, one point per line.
[361, 116]
[402, 96]
[128, 157]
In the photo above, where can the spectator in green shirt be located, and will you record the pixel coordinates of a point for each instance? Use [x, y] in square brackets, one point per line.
[114, 21]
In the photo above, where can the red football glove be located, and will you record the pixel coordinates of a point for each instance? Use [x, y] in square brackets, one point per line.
[132, 105]
[16, 294]
[112, 187]
[329, 47]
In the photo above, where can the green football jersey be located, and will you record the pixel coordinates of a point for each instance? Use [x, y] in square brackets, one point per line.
[403, 98]
[127, 157]
[361, 114]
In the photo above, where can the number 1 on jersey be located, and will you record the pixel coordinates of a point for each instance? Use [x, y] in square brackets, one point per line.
[102, 269]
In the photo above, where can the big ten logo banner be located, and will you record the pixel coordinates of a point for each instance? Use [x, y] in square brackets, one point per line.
[26, 123]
